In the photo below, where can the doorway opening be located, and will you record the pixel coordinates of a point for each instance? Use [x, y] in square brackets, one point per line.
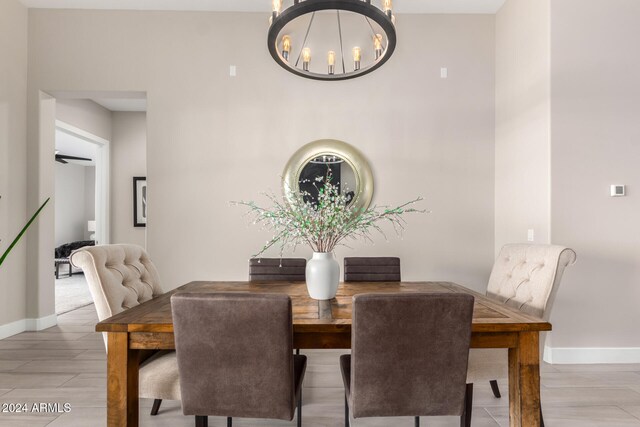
[82, 204]
[99, 141]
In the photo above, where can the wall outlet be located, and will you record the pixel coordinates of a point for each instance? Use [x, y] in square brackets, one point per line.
[530, 235]
[617, 190]
[232, 70]
[444, 73]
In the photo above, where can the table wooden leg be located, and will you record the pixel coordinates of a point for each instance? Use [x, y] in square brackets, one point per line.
[122, 382]
[524, 381]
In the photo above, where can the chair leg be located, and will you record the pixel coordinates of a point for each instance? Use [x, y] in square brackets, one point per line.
[70, 270]
[297, 352]
[156, 406]
[202, 421]
[229, 422]
[57, 270]
[495, 389]
[300, 408]
[465, 419]
[346, 412]
[417, 422]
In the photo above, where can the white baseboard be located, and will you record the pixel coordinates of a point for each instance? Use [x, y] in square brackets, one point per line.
[22, 325]
[41, 323]
[590, 355]
[13, 328]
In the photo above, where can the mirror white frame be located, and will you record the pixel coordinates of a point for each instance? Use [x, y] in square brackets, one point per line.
[330, 147]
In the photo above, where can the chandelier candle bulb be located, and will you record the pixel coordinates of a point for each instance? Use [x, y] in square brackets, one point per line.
[276, 6]
[331, 61]
[357, 54]
[377, 45]
[306, 58]
[286, 47]
[387, 6]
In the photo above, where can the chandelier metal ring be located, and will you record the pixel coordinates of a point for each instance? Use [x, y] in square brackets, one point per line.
[361, 7]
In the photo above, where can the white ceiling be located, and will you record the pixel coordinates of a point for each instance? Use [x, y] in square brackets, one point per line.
[120, 104]
[400, 6]
[74, 146]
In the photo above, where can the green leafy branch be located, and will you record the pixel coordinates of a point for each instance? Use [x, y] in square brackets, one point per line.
[328, 223]
[24, 230]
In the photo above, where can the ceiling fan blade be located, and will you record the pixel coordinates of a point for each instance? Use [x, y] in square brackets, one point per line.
[64, 156]
[61, 161]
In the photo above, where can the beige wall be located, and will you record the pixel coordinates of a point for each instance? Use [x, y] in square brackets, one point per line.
[13, 168]
[74, 197]
[213, 138]
[595, 143]
[128, 159]
[579, 126]
[522, 188]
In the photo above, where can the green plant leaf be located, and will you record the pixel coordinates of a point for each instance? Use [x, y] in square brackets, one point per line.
[24, 230]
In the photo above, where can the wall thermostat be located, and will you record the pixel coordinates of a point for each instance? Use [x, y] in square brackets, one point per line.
[617, 190]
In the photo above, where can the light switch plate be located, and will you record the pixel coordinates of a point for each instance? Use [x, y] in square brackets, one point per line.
[617, 190]
[444, 73]
[232, 70]
[530, 235]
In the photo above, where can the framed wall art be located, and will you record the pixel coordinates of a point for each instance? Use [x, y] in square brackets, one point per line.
[139, 201]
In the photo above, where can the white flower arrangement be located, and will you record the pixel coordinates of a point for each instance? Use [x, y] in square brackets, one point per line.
[325, 224]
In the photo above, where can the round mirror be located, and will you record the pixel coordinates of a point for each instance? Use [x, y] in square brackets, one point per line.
[313, 162]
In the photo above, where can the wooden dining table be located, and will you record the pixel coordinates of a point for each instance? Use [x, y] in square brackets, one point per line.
[321, 325]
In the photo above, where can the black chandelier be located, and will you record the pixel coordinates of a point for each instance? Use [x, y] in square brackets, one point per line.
[369, 32]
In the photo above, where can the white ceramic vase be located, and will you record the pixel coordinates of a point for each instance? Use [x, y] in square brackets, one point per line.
[323, 276]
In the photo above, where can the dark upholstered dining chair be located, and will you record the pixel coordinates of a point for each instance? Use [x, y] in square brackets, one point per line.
[408, 356]
[277, 269]
[235, 356]
[372, 269]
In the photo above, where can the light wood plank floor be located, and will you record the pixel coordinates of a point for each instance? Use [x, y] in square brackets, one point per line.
[66, 363]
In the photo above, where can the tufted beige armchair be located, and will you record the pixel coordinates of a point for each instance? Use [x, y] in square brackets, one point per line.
[525, 277]
[121, 277]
